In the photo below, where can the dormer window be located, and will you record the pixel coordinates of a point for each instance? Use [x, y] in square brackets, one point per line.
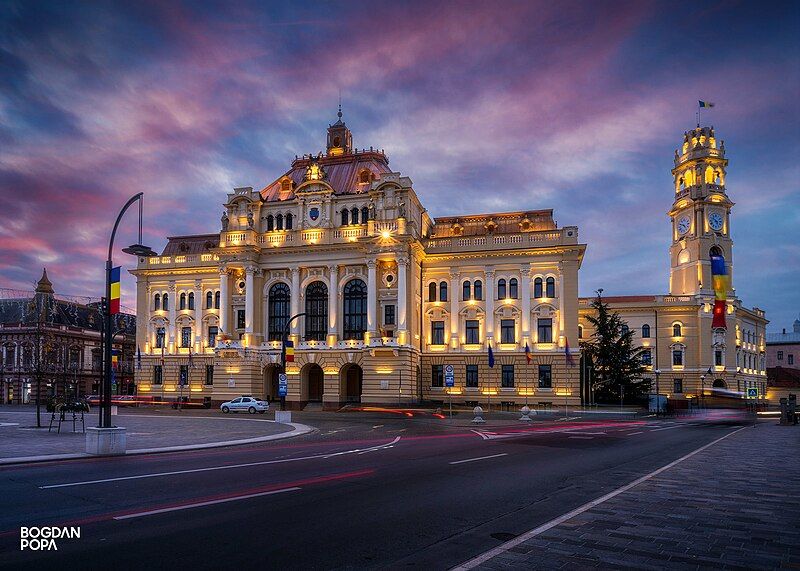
[286, 184]
[364, 176]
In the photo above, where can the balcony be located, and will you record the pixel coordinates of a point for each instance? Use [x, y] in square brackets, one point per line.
[563, 236]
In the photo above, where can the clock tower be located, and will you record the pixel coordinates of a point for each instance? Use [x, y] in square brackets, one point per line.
[700, 214]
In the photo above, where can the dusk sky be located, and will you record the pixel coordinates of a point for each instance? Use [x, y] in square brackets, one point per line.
[493, 106]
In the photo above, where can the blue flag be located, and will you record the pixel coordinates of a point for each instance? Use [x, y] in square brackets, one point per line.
[138, 358]
[491, 357]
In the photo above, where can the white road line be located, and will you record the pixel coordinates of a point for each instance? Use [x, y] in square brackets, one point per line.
[481, 458]
[201, 504]
[486, 556]
[667, 428]
[215, 468]
[632, 433]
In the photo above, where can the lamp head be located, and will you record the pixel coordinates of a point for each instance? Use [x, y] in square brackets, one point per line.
[140, 251]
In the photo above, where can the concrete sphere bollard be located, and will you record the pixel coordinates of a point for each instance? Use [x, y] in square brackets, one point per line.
[525, 414]
[478, 412]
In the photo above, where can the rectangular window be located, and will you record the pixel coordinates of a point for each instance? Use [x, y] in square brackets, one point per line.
[472, 376]
[209, 375]
[647, 357]
[183, 375]
[718, 358]
[677, 357]
[507, 331]
[437, 333]
[545, 377]
[160, 335]
[186, 336]
[158, 374]
[507, 378]
[545, 330]
[437, 375]
[388, 315]
[240, 319]
[213, 330]
[790, 359]
[780, 355]
[677, 385]
[472, 331]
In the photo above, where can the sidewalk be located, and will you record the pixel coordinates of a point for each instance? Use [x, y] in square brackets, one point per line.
[734, 505]
[21, 441]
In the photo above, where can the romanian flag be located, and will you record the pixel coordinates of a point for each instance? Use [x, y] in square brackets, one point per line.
[115, 290]
[721, 281]
[705, 104]
[288, 347]
[114, 364]
[570, 360]
[527, 353]
[491, 357]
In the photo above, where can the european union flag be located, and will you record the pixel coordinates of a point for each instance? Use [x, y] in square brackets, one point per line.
[491, 357]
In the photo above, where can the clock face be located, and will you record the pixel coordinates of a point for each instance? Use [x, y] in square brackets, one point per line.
[684, 224]
[715, 221]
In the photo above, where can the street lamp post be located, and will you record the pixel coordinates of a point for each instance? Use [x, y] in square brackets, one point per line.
[702, 389]
[108, 334]
[283, 350]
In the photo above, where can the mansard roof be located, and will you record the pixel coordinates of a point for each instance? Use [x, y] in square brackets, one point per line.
[194, 244]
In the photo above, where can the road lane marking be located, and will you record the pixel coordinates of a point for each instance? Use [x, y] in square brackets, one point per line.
[215, 468]
[666, 428]
[208, 503]
[486, 556]
[481, 458]
[632, 433]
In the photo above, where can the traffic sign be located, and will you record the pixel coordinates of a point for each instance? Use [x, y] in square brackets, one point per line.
[283, 386]
[752, 393]
[449, 377]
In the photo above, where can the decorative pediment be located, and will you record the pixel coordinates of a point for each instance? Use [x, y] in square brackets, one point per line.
[314, 171]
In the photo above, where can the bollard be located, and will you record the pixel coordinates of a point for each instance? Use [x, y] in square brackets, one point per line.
[478, 412]
[525, 414]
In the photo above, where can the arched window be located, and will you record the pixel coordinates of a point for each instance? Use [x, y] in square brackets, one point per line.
[501, 289]
[715, 251]
[165, 302]
[676, 330]
[364, 215]
[537, 288]
[278, 306]
[432, 291]
[345, 217]
[216, 300]
[512, 288]
[157, 301]
[191, 300]
[580, 331]
[209, 300]
[289, 221]
[354, 215]
[550, 287]
[279, 222]
[316, 311]
[442, 291]
[645, 331]
[477, 288]
[270, 223]
[625, 329]
[182, 301]
[355, 309]
[465, 291]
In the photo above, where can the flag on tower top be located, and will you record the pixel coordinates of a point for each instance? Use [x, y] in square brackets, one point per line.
[705, 104]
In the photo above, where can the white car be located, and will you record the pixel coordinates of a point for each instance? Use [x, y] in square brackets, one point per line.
[250, 404]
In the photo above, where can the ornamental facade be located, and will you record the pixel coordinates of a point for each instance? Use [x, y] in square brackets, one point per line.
[390, 296]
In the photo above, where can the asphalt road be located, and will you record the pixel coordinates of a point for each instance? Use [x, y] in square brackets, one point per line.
[366, 491]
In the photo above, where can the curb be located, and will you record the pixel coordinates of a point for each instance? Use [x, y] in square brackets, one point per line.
[297, 430]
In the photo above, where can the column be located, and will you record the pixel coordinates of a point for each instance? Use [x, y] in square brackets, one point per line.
[561, 323]
[372, 299]
[402, 297]
[333, 302]
[525, 277]
[294, 303]
[454, 295]
[224, 303]
[173, 304]
[249, 301]
[198, 316]
[488, 291]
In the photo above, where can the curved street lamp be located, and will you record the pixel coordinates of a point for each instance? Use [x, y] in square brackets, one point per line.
[108, 335]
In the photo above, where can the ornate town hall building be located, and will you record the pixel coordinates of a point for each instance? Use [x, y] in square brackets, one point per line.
[392, 297]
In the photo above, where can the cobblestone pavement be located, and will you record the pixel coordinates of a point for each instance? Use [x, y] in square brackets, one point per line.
[19, 436]
[735, 505]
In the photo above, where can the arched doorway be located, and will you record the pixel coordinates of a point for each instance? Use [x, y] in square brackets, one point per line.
[313, 381]
[719, 384]
[351, 379]
[271, 383]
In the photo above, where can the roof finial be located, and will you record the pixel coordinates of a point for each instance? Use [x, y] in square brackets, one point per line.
[339, 114]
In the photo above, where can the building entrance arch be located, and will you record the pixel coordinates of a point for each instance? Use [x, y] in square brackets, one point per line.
[719, 384]
[312, 382]
[271, 383]
[351, 382]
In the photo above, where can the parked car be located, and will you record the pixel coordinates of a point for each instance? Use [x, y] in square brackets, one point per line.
[245, 402]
